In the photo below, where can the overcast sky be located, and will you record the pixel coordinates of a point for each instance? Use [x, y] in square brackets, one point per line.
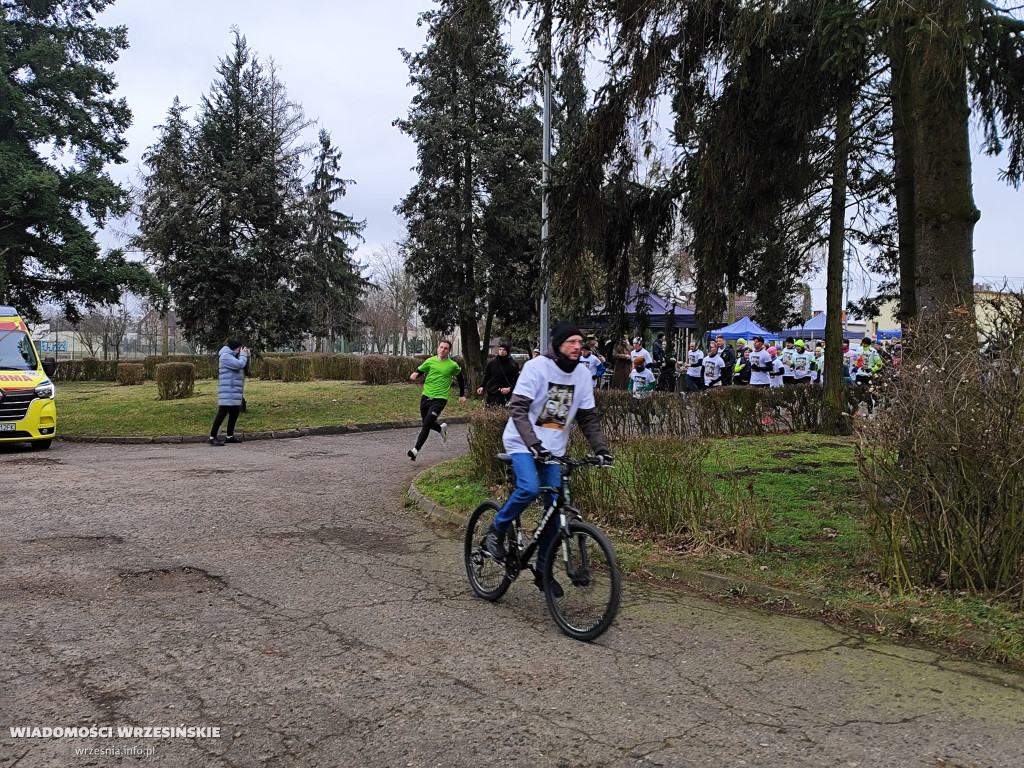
[340, 59]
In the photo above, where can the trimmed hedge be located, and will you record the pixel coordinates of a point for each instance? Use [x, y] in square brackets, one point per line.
[388, 369]
[374, 369]
[175, 381]
[720, 412]
[298, 368]
[86, 369]
[324, 367]
[337, 367]
[205, 366]
[130, 374]
[270, 368]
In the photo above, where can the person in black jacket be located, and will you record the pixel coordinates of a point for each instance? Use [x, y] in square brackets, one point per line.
[741, 371]
[658, 351]
[500, 377]
[725, 351]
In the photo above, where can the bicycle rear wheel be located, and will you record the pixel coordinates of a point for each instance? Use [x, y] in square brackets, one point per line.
[486, 575]
[583, 564]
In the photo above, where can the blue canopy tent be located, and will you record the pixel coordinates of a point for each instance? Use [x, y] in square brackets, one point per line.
[744, 328]
[658, 312]
[815, 329]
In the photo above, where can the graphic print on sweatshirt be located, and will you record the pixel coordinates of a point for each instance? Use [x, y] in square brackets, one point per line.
[556, 409]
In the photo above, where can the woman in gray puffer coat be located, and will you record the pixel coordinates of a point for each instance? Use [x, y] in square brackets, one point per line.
[230, 383]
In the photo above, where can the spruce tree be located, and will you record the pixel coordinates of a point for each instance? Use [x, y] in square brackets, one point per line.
[330, 283]
[166, 205]
[225, 208]
[473, 213]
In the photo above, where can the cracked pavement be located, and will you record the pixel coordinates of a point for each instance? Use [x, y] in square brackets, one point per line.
[281, 591]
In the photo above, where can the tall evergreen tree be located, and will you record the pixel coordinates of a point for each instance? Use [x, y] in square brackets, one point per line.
[166, 204]
[577, 283]
[473, 213]
[56, 94]
[225, 208]
[329, 281]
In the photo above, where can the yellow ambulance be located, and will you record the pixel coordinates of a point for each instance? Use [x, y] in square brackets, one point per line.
[27, 408]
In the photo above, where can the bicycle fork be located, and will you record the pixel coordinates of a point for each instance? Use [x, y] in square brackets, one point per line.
[577, 567]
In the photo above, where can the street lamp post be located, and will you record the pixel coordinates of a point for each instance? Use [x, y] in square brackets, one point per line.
[545, 181]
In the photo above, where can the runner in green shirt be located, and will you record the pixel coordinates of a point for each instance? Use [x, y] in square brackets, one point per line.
[439, 372]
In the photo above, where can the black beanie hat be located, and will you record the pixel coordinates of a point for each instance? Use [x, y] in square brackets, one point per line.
[562, 331]
[506, 346]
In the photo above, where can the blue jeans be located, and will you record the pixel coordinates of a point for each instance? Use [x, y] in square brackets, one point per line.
[530, 476]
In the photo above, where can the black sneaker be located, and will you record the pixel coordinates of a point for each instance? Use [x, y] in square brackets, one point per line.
[232, 439]
[494, 543]
[556, 588]
[412, 453]
[215, 442]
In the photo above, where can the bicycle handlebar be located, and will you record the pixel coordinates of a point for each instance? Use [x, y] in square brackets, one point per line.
[565, 461]
[587, 461]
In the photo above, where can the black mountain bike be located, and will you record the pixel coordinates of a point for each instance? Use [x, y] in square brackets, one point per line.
[580, 559]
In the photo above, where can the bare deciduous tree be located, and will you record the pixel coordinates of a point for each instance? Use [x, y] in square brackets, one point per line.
[151, 328]
[377, 318]
[394, 306]
[90, 332]
[105, 328]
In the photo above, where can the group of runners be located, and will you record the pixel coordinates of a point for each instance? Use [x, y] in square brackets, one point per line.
[758, 364]
[793, 362]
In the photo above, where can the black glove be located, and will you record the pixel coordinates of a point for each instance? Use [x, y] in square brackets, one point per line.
[606, 458]
[540, 453]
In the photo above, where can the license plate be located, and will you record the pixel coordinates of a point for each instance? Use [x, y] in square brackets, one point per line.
[7, 427]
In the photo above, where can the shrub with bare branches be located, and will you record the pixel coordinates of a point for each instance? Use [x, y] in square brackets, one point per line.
[943, 463]
[664, 486]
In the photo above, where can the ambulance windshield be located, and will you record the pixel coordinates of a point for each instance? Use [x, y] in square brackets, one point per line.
[16, 352]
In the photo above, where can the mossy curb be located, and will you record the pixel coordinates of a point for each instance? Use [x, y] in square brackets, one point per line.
[780, 596]
[277, 434]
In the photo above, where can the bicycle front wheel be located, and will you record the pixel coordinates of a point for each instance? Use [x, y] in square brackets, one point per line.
[486, 575]
[581, 566]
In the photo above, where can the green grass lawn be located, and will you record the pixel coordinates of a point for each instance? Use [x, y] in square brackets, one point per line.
[107, 409]
[819, 542]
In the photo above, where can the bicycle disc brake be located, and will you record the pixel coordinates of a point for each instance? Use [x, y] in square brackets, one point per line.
[580, 577]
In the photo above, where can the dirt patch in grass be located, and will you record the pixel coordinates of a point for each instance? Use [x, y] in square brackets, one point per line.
[758, 472]
[790, 453]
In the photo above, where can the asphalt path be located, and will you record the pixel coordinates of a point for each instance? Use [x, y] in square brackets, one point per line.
[281, 592]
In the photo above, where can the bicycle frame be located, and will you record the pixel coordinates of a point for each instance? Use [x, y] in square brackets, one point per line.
[559, 505]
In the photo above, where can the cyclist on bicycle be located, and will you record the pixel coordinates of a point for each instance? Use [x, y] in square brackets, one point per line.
[552, 390]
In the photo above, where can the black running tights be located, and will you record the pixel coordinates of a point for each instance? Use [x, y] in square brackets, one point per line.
[430, 411]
